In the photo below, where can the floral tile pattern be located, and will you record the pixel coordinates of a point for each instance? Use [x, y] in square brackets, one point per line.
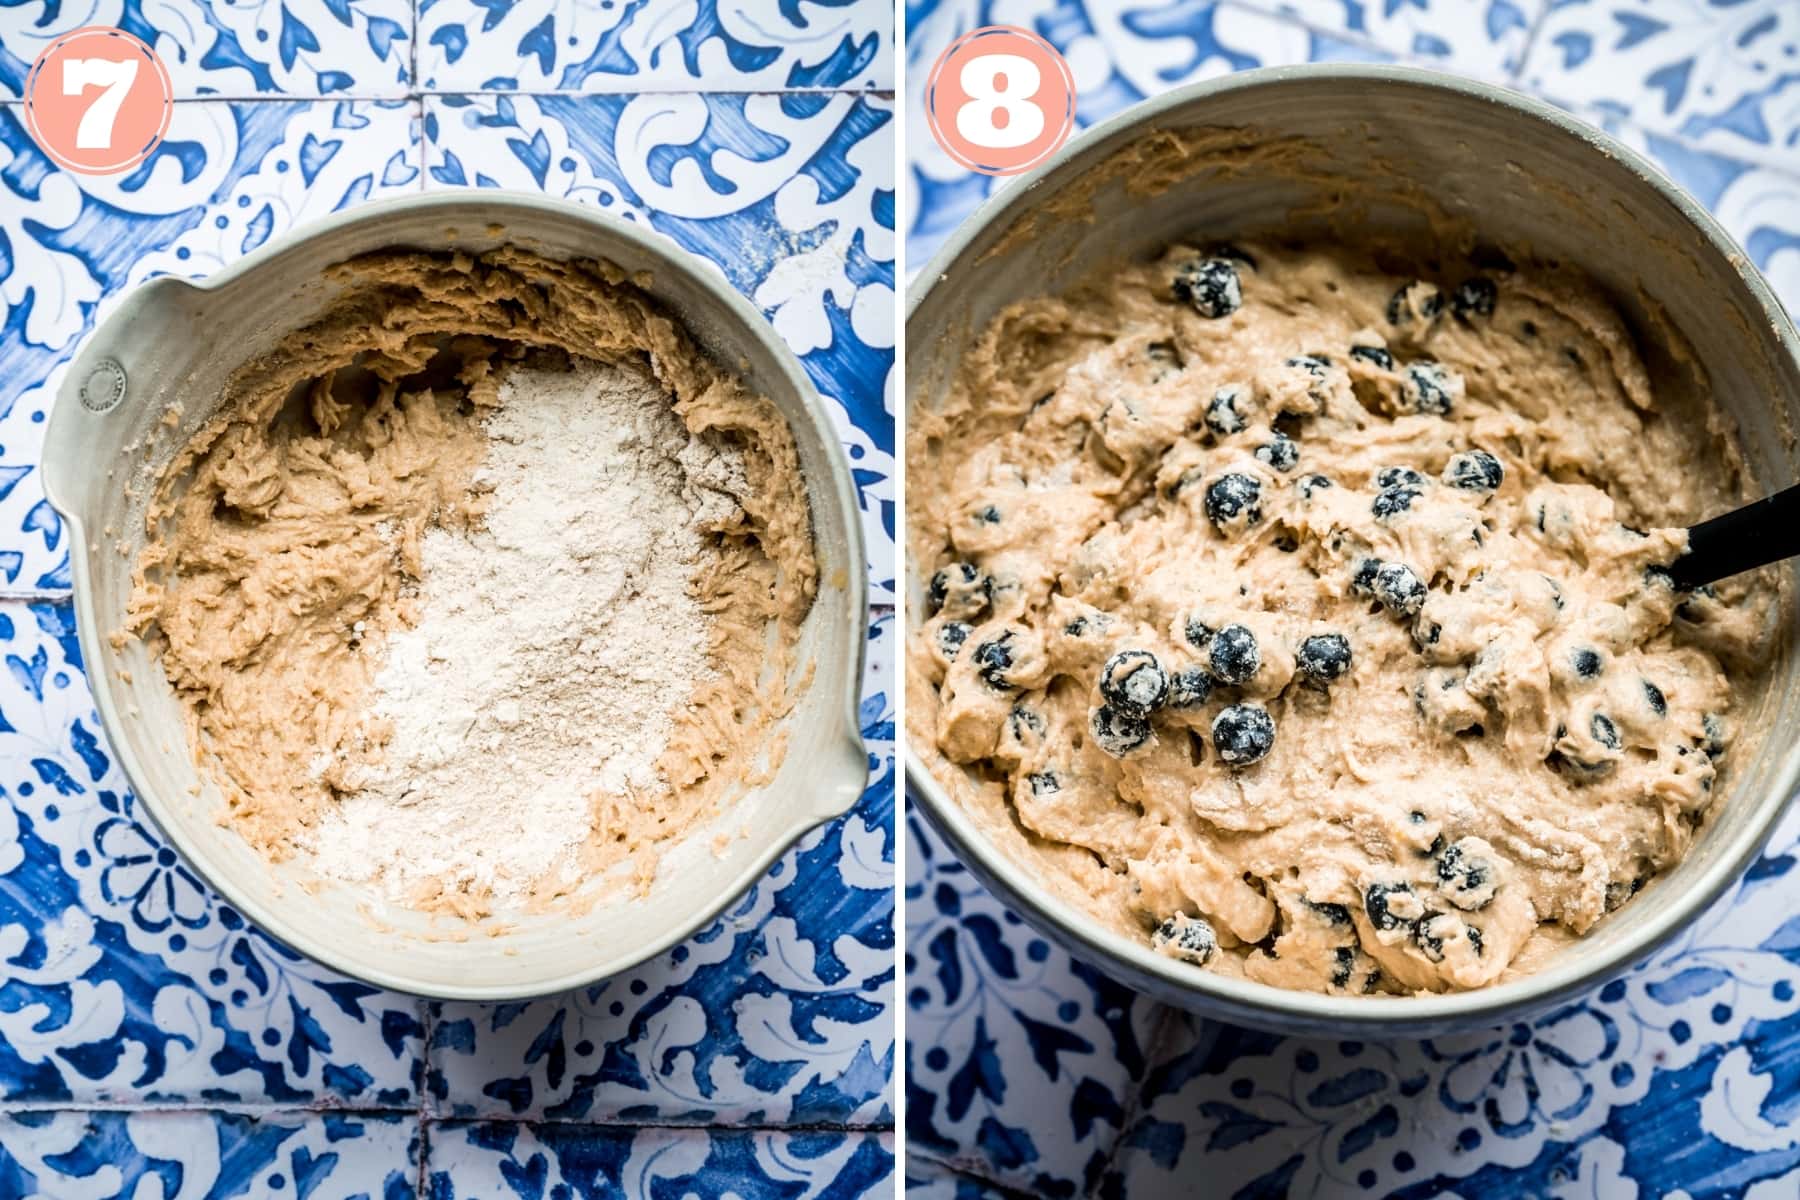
[780, 1013]
[131, 998]
[115, 1155]
[789, 195]
[1118, 53]
[655, 45]
[337, 48]
[229, 176]
[1483, 38]
[1675, 1081]
[1723, 75]
[507, 1159]
[122, 977]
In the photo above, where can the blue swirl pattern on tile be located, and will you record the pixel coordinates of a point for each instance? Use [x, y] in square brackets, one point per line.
[124, 982]
[1025, 1073]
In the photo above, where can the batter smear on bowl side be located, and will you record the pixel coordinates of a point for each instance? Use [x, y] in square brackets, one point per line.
[1310, 621]
[480, 584]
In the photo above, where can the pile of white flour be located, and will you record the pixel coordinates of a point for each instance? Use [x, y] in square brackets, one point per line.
[553, 642]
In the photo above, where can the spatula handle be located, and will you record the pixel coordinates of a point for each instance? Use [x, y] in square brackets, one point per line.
[1753, 536]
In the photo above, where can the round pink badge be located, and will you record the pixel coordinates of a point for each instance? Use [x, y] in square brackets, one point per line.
[1000, 100]
[98, 100]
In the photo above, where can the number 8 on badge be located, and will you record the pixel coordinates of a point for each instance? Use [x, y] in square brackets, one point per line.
[1000, 100]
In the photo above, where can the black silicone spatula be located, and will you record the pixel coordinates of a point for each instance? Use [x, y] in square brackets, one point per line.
[1752, 536]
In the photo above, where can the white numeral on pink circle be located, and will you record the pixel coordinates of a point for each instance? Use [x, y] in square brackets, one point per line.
[999, 113]
[114, 79]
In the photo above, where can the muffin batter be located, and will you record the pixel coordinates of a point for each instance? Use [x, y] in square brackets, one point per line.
[283, 542]
[1311, 621]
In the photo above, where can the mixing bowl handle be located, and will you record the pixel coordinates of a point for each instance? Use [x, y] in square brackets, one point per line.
[153, 328]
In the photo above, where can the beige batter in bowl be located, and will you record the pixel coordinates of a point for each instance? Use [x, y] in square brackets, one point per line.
[1325, 154]
[173, 341]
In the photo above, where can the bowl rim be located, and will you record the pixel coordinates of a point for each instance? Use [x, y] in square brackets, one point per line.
[1245, 999]
[846, 773]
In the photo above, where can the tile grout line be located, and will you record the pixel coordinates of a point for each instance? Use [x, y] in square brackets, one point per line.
[1168, 1020]
[958, 1170]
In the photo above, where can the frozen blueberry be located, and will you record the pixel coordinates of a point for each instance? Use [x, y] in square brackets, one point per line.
[1474, 471]
[1118, 732]
[958, 590]
[1427, 388]
[1390, 905]
[1389, 477]
[1243, 734]
[1362, 578]
[1474, 298]
[1475, 939]
[1713, 729]
[1586, 662]
[1211, 285]
[1391, 502]
[1324, 657]
[1653, 695]
[1334, 914]
[1188, 938]
[1233, 498]
[1025, 723]
[1133, 681]
[1224, 412]
[1428, 301]
[988, 515]
[1605, 732]
[1198, 632]
[1343, 965]
[950, 638]
[1374, 354]
[1429, 934]
[1399, 587]
[994, 659]
[1281, 453]
[1466, 876]
[1317, 364]
[1043, 783]
[1234, 654]
[1190, 688]
[1312, 483]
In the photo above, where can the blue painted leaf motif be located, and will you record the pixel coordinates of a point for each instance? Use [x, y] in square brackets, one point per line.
[943, 948]
[1384, 1123]
[310, 1172]
[1635, 28]
[1232, 1126]
[548, 1046]
[1672, 82]
[541, 41]
[980, 1074]
[1047, 1041]
[54, 776]
[11, 562]
[1348, 1088]
[244, 955]
[357, 192]
[87, 748]
[453, 40]
[987, 935]
[1163, 1141]
[527, 1181]
[496, 11]
[1686, 984]
[30, 674]
[535, 154]
[383, 33]
[1007, 1147]
[257, 232]
[348, 995]
[308, 1036]
[348, 1081]
[314, 154]
[295, 37]
[42, 518]
[9, 479]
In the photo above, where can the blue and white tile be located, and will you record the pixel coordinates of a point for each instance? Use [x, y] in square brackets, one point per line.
[790, 196]
[655, 45]
[1758, 205]
[1680, 1073]
[229, 176]
[124, 978]
[1724, 74]
[136, 1155]
[780, 1013]
[294, 48]
[480, 1159]
[928, 1179]
[1483, 38]
[1118, 54]
[1021, 1063]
